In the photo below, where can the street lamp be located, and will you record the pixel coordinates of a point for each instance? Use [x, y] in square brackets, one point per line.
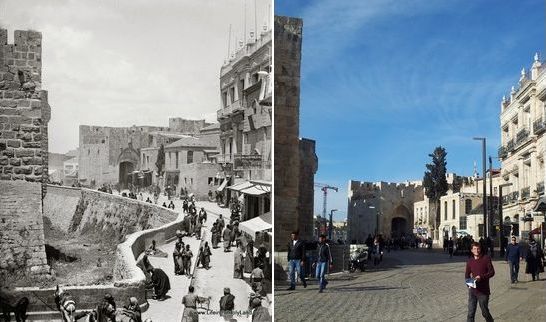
[486, 224]
[501, 226]
[330, 227]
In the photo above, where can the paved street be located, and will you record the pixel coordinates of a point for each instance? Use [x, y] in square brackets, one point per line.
[411, 285]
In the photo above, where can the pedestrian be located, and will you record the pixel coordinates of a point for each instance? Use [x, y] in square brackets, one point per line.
[171, 205]
[534, 259]
[480, 268]
[164, 204]
[227, 304]
[450, 247]
[256, 279]
[513, 256]
[190, 301]
[106, 309]
[132, 310]
[444, 245]
[238, 263]
[205, 255]
[296, 260]
[161, 283]
[215, 235]
[221, 222]
[202, 215]
[188, 255]
[324, 262]
[177, 258]
[259, 313]
[226, 235]
[185, 205]
[197, 229]
[377, 251]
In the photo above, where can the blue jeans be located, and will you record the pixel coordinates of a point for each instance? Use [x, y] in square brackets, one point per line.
[294, 265]
[514, 269]
[320, 272]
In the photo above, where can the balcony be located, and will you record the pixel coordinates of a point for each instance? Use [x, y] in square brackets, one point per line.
[514, 196]
[248, 161]
[510, 146]
[522, 135]
[224, 158]
[230, 109]
[540, 188]
[525, 193]
[506, 199]
[538, 126]
[503, 153]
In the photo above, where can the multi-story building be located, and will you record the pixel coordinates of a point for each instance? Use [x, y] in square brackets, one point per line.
[190, 168]
[523, 125]
[245, 125]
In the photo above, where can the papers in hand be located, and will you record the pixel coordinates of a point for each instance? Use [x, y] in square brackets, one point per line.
[470, 282]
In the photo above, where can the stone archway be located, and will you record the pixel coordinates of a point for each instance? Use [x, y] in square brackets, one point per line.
[128, 161]
[400, 222]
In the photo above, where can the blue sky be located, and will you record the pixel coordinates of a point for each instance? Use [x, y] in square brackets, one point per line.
[384, 82]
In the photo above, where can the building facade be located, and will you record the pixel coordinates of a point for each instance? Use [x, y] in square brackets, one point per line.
[522, 123]
[381, 208]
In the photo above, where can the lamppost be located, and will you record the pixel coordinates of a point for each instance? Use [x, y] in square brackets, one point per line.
[485, 221]
[330, 226]
[501, 226]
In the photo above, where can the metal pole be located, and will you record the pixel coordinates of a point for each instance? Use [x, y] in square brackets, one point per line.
[485, 208]
[491, 209]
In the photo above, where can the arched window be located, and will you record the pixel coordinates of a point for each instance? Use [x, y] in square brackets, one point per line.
[445, 210]
[453, 209]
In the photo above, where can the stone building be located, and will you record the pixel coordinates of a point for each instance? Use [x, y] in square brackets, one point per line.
[523, 128]
[381, 208]
[189, 167]
[24, 117]
[111, 154]
[295, 159]
[245, 120]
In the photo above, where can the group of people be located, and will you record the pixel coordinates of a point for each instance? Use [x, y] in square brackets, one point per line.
[106, 310]
[534, 258]
[170, 205]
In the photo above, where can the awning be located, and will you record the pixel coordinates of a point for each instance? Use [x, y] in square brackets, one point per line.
[223, 185]
[257, 190]
[257, 224]
[241, 186]
[541, 205]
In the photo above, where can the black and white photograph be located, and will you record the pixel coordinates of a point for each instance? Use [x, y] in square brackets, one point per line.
[136, 160]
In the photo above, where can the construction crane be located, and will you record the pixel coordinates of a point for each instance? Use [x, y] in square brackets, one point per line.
[324, 188]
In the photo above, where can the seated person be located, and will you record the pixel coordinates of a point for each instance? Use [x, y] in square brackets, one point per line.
[154, 251]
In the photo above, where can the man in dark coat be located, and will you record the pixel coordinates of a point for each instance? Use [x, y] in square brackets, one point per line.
[296, 260]
[534, 259]
[513, 256]
[160, 282]
[227, 304]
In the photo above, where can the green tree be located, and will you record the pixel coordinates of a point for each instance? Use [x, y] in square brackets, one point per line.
[435, 182]
[160, 163]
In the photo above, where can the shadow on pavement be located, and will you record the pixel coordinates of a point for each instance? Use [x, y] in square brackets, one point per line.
[365, 288]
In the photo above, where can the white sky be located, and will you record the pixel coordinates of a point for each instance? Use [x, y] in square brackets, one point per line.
[125, 62]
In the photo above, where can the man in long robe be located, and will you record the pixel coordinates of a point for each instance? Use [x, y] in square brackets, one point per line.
[190, 301]
[226, 235]
[161, 283]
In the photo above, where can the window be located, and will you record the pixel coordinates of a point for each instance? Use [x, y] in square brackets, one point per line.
[176, 157]
[467, 206]
[224, 99]
[170, 158]
[453, 209]
[462, 222]
[445, 210]
[232, 94]
[210, 181]
[190, 157]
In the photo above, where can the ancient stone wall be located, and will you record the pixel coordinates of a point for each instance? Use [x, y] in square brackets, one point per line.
[102, 214]
[180, 125]
[370, 204]
[308, 168]
[24, 114]
[288, 40]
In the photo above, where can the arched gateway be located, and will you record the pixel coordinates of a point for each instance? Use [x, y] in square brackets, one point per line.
[128, 160]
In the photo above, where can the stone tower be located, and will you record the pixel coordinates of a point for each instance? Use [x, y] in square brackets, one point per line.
[24, 115]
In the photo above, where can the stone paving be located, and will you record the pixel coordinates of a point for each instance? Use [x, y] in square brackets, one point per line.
[410, 285]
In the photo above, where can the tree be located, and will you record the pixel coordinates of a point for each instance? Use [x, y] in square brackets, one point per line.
[160, 163]
[435, 182]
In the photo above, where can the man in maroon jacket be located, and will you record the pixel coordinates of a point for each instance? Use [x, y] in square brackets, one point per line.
[480, 268]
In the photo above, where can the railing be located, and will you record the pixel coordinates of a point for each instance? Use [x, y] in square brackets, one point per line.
[514, 196]
[540, 188]
[248, 161]
[231, 108]
[502, 152]
[510, 145]
[506, 199]
[522, 135]
[538, 126]
[525, 193]
[224, 158]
